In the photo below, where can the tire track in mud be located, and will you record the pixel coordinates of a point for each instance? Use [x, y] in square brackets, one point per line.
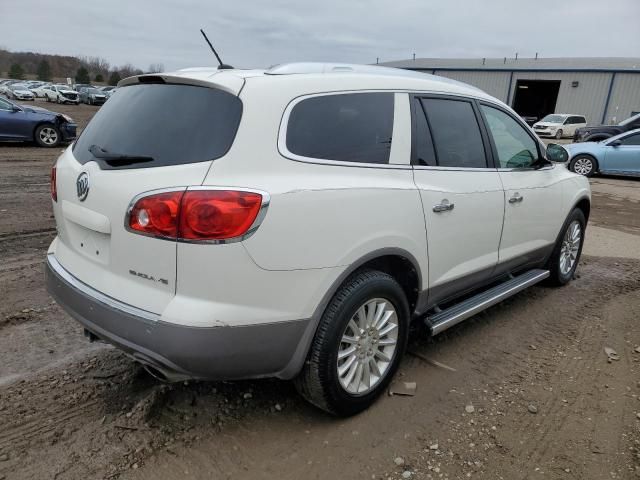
[540, 430]
[23, 434]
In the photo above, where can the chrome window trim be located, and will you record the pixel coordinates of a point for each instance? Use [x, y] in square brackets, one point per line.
[284, 123]
[455, 169]
[262, 213]
[99, 296]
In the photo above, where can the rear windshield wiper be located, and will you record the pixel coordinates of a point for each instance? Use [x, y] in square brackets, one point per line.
[117, 158]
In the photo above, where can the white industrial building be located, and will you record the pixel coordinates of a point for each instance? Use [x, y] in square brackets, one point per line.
[604, 90]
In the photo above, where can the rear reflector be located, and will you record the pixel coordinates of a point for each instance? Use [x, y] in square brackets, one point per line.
[196, 215]
[54, 186]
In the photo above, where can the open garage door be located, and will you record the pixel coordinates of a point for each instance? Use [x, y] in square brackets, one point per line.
[535, 98]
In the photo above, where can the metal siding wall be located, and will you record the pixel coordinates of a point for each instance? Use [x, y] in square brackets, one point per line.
[587, 99]
[625, 97]
[494, 83]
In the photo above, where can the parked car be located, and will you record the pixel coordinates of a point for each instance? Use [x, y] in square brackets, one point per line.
[228, 224]
[78, 86]
[619, 155]
[19, 91]
[92, 96]
[61, 94]
[40, 91]
[602, 132]
[559, 125]
[34, 124]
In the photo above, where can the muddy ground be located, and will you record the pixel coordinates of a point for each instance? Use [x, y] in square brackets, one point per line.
[523, 390]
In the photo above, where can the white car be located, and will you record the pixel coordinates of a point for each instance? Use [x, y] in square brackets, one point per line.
[226, 224]
[40, 92]
[559, 125]
[61, 94]
[19, 91]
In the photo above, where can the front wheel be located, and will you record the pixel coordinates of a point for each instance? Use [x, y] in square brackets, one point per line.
[358, 345]
[583, 165]
[566, 254]
[558, 134]
[48, 135]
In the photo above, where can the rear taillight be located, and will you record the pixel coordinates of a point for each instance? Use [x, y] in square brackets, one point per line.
[197, 215]
[156, 214]
[54, 186]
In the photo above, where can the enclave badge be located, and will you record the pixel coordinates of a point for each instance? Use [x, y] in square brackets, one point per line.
[82, 186]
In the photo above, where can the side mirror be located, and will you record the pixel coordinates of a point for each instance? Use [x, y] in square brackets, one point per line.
[617, 143]
[556, 153]
[16, 108]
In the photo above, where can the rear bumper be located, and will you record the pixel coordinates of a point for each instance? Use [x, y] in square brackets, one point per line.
[179, 352]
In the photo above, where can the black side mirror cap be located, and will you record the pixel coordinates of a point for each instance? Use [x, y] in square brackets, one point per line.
[556, 153]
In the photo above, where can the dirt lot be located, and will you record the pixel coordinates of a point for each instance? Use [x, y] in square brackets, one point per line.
[523, 390]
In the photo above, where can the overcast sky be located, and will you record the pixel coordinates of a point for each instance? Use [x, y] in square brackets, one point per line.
[253, 33]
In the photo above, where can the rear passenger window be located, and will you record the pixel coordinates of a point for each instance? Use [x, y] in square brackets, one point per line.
[354, 127]
[455, 133]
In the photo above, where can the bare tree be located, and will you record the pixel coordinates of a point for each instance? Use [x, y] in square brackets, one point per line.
[156, 68]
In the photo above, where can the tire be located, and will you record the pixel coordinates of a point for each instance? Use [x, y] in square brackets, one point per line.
[561, 274]
[58, 99]
[319, 381]
[47, 135]
[584, 165]
[47, 98]
[559, 134]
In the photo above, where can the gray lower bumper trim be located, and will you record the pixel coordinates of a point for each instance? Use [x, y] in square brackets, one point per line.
[178, 351]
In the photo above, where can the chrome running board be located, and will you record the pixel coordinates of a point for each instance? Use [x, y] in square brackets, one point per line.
[439, 322]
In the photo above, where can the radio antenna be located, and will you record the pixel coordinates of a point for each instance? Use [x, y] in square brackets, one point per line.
[222, 66]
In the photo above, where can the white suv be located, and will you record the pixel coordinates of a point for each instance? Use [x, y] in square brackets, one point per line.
[226, 224]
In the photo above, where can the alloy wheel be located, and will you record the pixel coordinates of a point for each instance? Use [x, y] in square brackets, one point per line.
[48, 136]
[570, 247]
[367, 346]
[583, 166]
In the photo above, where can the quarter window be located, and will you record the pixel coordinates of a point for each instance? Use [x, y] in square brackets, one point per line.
[455, 133]
[353, 127]
[514, 146]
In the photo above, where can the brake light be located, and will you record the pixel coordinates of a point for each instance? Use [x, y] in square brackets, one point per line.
[196, 215]
[156, 214]
[54, 186]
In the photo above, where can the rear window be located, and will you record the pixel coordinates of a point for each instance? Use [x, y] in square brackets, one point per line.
[173, 124]
[352, 127]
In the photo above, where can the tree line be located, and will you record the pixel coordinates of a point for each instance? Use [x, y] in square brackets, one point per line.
[46, 67]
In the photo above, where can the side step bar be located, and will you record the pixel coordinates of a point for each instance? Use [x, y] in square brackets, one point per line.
[455, 314]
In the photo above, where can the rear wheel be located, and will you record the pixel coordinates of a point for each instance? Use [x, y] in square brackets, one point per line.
[559, 134]
[583, 165]
[566, 254]
[358, 345]
[48, 135]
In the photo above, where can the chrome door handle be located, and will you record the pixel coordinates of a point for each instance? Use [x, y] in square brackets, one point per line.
[444, 206]
[516, 198]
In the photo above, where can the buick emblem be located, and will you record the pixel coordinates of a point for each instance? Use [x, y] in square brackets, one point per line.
[82, 186]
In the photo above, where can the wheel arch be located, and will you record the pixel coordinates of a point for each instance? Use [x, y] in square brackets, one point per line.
[393, 261]
[583, 204]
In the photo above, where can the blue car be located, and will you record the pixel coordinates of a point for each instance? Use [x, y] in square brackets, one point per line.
[34, 124]
[619, 155]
